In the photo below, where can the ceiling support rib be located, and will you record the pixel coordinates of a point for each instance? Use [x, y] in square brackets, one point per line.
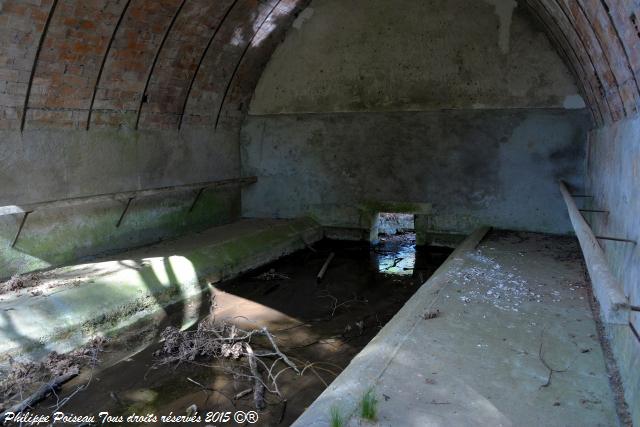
[204, 54]
[155, 61]
[622, 44]
[235, 70]
[104, 61]
[598, 107]
[586, 50]
[43, 35]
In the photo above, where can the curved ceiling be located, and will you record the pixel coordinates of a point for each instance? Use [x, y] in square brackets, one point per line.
[171, 64]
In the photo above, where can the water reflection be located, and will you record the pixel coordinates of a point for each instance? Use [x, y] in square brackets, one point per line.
[396, 254]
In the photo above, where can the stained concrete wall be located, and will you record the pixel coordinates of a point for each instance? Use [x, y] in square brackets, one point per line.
[461, 104]
[41, 165]
[376, 55]
[473, 167]
[613, 177]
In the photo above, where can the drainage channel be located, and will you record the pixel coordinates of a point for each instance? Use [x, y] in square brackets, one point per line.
[319, 326]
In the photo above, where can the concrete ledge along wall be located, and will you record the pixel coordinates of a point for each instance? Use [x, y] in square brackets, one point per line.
[43, 165]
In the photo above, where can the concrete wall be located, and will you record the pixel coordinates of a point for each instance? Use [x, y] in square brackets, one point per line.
[613, 180]
[376, 55]
[41, 165]
[473, 167]
[462, 104]
[186, 69]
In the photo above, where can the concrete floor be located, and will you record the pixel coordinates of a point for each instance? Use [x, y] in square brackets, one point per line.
[501, 306]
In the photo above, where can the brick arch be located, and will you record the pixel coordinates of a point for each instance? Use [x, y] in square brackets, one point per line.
[163, 64]
[594, 38]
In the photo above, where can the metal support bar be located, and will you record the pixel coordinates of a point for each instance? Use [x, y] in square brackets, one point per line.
[581, 195]
[635, 308]
[634, 330]
[24, 219]
[616, 239]
[593, 210]
[124, 212]
[193, 205]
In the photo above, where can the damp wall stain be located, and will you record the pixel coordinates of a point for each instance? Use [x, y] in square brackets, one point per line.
[495, 167]
[413, 55]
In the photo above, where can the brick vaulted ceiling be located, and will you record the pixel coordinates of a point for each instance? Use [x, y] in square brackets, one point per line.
[171, 64]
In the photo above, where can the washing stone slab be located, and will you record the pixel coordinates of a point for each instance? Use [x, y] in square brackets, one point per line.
[506, 304]
[74, 303]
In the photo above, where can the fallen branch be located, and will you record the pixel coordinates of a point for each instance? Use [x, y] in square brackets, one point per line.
[433, 402]
[336, 305]
[546, 365]
[284, 411]
[396, 261]
[225, 341]
[242, 394]
[42, 393]
[278, 352]
[272, 275]
[308, 245]
[325, 266]
[258, 389]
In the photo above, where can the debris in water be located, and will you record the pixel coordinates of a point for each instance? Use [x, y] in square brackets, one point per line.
[272, 275]
[43, 378]
[226, 341]
[325, 266]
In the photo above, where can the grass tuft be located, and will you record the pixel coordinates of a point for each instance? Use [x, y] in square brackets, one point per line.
[337, 420]
[369, 405]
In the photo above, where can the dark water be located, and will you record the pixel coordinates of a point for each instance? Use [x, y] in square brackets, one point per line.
[324, 324]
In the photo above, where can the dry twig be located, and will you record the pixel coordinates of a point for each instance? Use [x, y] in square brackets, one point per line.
[546, 364]
[224, 341]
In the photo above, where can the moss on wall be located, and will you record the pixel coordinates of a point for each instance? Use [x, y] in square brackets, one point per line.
[57, 237]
